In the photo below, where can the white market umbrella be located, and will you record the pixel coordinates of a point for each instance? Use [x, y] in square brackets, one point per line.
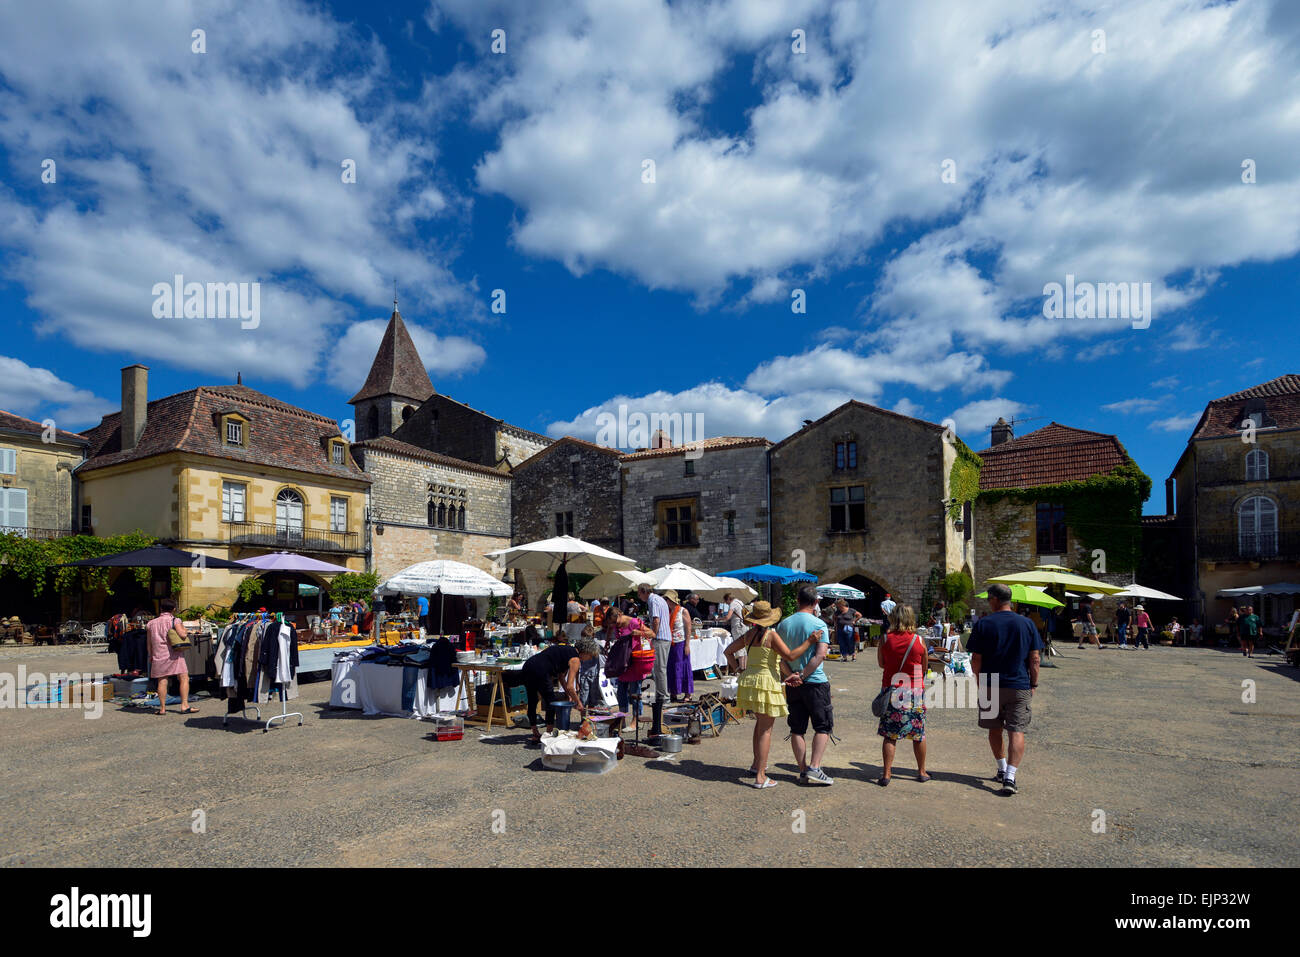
[837, 590]
[614, 583]
[447, 578]
[681, 578]
[547, 555]
[1144, 593]
[733, 586]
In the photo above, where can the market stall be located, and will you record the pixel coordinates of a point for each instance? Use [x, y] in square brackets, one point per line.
[378, 687]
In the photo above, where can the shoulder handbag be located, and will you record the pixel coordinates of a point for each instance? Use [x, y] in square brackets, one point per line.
[880, 703]
[619, 658]
[175, 640]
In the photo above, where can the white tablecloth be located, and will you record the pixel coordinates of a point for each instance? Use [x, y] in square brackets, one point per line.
[707, 652]
[377, 689]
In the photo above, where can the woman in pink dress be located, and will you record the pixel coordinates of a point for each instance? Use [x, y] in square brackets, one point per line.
[165, 661]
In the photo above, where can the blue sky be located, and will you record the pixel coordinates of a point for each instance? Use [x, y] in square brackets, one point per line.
[1114, 158]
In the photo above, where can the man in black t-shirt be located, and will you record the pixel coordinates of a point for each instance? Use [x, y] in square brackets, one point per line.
[1005, 646]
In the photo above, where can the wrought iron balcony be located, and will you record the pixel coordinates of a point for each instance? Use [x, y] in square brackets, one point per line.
[1269, 546]
[292, 539]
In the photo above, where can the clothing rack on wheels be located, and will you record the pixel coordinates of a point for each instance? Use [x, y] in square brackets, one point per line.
[285, 714]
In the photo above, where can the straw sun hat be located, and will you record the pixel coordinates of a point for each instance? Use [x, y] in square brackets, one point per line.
[762, 613]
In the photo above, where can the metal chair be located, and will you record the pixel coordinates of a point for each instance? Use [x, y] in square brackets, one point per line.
[68, 630]
[95, 634]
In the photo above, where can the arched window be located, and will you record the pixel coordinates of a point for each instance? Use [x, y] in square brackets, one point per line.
[407, 412]
[288, 514]
[433, 513]
[1257, 527]
[460, 518]
[1256, 465]
[442, 515]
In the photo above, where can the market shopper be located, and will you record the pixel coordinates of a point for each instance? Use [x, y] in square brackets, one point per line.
[1144, 626]
[902, 658]
[1122, 616]
[808, 692]
[1005, 646]
[846, 629]
[556, 663]
[1087, 626]
[1249, 631]
[625, 628]
[681, 680]
[760, 687]
[164, 660]
[662, 643]
[734, 616]
[887, 606]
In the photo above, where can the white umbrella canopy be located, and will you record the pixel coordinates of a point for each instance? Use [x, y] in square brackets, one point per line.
[732, 586]
[681, 578]
[547, 555]
[1150, 594]
[1278, 588]
[837, 590]
[614, 583]
[447, 578]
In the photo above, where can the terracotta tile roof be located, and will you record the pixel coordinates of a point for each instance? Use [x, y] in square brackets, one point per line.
[567, 440]
[16, 423]
[1052, 454]
[397, 369]
[1278, 399]
[709, 445]
[279, 434]
[386, 443]
[851, 404]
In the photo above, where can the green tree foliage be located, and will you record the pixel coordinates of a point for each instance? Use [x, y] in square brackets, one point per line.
[354, 586]
[36, 561]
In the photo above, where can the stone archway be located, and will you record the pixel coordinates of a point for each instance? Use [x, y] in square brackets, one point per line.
[874, 587]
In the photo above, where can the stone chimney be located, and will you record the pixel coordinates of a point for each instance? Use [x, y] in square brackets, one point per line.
[1001, 432]
[1169, 496]
[661, 440]
[135, 401]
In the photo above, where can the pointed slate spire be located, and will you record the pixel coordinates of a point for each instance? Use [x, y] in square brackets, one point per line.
[397, 369]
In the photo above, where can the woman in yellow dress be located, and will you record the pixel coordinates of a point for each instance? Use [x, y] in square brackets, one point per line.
[761, 689]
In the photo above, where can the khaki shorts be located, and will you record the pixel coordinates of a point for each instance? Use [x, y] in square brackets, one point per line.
[1012, 713]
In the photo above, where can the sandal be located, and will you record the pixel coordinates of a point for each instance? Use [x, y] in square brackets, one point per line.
[189, 710]
[769, 783]
[884, 782]
[925, 777]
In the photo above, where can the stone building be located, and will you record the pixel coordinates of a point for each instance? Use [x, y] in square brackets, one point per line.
[440, 470]
[571, 487]
[426, 506]
[705, 504]
[1020, 522]
[860, 497]
[224, 471]
[36, 477]
[1237, 501]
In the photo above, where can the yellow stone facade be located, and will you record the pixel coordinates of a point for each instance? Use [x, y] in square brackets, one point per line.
[45, 471]
[178, 497]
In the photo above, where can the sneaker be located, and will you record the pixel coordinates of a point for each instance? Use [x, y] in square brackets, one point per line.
[1009, 786]
[1000, 776]
[818, 776]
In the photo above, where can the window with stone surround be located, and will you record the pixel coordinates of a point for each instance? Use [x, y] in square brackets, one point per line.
[849, 509]
[1049, 524]
[446, 504]
[563, 523]
[730, 518]
[675, 520]
[233, 498]
[846, 455]
[1256, 465]
[1257, 527]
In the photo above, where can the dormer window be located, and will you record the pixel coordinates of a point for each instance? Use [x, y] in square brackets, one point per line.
[234, 430]
[338, 452]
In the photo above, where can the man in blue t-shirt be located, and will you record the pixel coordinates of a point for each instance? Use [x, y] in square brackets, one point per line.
[807, 691]
[1005, 646]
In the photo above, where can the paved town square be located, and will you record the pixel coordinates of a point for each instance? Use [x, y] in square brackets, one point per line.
[1205, 780]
